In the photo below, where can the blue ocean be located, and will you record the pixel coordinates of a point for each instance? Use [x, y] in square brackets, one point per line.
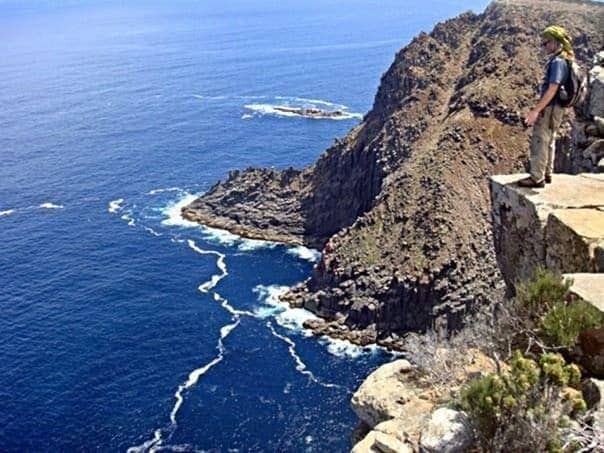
[122, 326]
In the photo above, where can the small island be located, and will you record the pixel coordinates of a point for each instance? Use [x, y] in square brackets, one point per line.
[311, 112]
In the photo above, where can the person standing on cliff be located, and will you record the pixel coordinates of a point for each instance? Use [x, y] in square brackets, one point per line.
[547, 115]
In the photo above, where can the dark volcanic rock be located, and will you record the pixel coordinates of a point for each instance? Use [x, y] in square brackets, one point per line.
[401, 205]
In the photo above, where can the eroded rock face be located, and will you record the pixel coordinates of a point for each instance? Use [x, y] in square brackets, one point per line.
[560, 227]
[400, 206]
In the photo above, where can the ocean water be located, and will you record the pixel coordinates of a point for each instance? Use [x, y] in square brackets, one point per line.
[123, 327]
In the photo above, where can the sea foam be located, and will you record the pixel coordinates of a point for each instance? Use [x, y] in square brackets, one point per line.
[173, 215]
[305, 253]
[7, 212]
[115, 205]
[49, 205]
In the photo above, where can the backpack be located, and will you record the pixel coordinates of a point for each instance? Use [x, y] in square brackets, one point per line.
[573, 90]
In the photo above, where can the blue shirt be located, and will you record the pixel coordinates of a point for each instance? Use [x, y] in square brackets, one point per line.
[556, 72]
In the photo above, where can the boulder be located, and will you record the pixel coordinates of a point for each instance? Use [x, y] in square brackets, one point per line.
[448, 431]
[390, 393]
[386, 437]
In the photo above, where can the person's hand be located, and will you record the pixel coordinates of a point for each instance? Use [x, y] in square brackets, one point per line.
[531, 118]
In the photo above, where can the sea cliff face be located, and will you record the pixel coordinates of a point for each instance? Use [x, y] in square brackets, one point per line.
[400, 206]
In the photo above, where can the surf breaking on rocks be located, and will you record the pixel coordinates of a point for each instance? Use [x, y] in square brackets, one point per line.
[285, 316]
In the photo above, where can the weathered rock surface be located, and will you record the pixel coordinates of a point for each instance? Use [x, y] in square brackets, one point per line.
[448, 431]
[386, 437]
[396, 401]
[389, 393]
[400, 206]
[560, 227]
[589, 287]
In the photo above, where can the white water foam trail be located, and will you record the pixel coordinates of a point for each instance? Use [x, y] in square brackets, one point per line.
[7, 212]
[158, 440]
[152, 231]
[300, 365]
[168, 189]
[199, 372]
[126, 217]
[115, 205]
[49, 205]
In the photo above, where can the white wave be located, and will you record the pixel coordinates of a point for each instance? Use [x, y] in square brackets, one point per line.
[305, 253]
[294, 319]
[300, 365]
[174, 217]
[49, 205]
[7, 212]
[248, 245]
[115, 205]
[286, 316]
[218, 235]
[246, 116]
[269, 109]
[168, 189]
[344, 348]
[312, 101]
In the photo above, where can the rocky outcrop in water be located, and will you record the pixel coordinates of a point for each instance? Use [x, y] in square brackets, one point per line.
[400, 206]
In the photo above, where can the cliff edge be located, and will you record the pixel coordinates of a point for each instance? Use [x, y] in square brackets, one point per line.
[400, 206]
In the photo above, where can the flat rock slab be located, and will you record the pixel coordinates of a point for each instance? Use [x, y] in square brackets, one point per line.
[565, 191]
[589, 287]
[560, 226]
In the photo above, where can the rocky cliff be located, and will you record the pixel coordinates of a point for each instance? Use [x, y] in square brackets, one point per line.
[400, 206]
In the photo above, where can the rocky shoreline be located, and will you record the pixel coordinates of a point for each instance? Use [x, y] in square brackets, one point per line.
[400, 207]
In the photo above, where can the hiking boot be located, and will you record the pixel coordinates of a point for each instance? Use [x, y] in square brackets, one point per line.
[548, 179]
[530, 182]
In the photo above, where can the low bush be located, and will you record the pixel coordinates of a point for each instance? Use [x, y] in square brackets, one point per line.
[523, 408]
[564, 321]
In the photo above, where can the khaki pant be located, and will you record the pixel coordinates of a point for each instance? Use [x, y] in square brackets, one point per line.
[543, 142]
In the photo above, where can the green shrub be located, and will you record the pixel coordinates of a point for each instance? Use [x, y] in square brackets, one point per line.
[563, 323]
[540, 293]
[524, 407]
[543, 313]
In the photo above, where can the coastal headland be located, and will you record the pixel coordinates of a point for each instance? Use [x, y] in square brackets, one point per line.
[400, 207]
